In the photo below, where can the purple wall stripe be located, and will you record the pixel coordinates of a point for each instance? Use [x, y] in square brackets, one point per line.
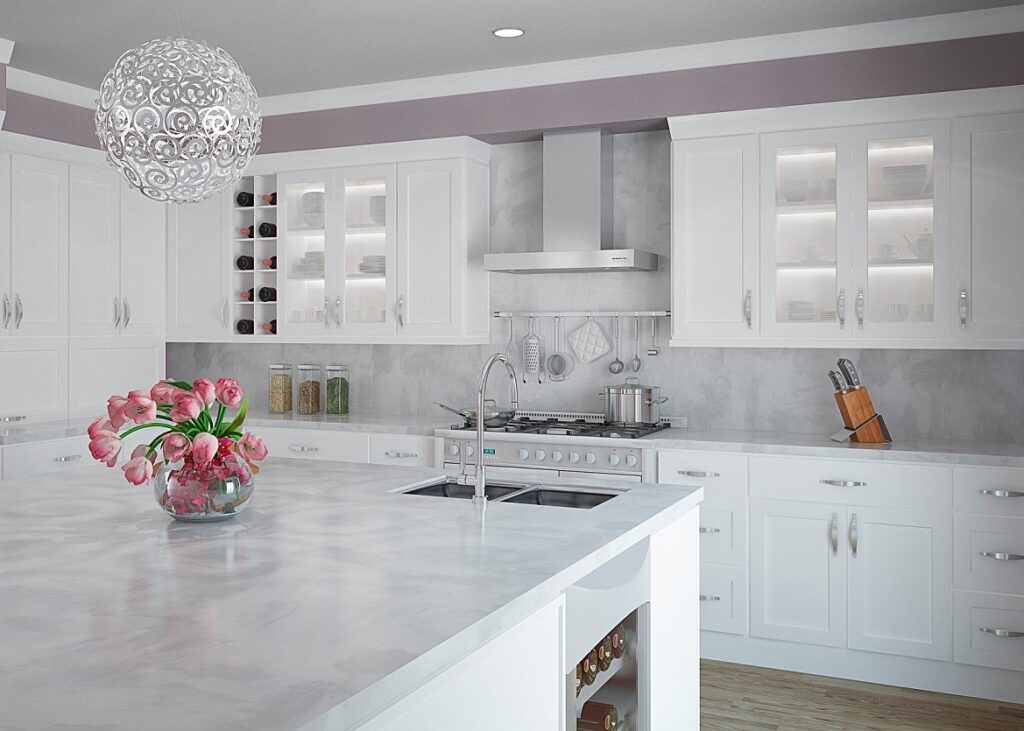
[3, 86]
[621, 103]
[38, 116]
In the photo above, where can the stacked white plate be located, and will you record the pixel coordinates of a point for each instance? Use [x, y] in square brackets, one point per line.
[801, 311]
[310, 266]
[373, 264]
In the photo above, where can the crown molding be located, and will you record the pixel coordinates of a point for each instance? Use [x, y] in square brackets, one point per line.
[44, 86]
[6, 49]
[950, 26]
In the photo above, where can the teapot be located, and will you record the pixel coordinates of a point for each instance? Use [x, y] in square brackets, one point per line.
[923, 244]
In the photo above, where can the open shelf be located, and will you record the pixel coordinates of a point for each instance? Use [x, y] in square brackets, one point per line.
[603, 677]
[806, 207]
[899, 263]
[826, 265]
[365, 228]
[896, 204]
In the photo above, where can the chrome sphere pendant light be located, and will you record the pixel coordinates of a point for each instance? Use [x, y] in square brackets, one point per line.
[179, 119]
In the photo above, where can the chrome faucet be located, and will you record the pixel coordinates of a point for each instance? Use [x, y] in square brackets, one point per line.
[479, 478]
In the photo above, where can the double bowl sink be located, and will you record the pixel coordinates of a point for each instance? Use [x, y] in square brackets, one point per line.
[561, 496]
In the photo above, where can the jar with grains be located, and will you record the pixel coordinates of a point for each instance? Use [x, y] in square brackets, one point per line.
[336, 378]
[280, 397]
[307, 400]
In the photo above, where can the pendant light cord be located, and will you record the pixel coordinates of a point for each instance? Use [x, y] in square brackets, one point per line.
[177, 16]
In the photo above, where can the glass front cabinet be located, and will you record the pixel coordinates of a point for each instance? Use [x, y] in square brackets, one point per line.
[854, 232]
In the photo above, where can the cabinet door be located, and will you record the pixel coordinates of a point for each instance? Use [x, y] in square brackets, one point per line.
[6, 295]
[197, 304]
[309, 255]
[33, 379]
[715, 238]
[39, 245]
[100, 367]
[431, 257]
[988, 217]
[143, 243]
[798, 572]
[94, 254]
[805, 234]
[900, 581]
[900, 225]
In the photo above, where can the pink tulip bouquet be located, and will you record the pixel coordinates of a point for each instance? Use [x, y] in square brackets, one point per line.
[208, 461]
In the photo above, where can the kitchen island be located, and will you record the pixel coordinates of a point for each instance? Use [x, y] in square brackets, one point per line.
[332, 602]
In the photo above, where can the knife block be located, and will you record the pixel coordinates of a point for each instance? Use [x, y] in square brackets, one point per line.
[860, 418]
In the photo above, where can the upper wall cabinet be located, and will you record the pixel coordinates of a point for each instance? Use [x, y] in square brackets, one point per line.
[197, 287]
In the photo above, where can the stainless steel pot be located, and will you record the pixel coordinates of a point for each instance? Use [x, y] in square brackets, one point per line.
[631, 403]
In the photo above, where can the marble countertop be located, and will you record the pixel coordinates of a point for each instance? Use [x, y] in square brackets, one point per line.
[41, 431]
[422, 426]
[323, 603]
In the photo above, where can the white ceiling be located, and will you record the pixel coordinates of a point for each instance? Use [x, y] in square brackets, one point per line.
[303, 45]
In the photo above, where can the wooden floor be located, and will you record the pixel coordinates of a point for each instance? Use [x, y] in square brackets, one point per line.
[745, 698]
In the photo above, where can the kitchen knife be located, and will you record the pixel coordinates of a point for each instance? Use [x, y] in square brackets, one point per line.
[837, 380]
[849, 372]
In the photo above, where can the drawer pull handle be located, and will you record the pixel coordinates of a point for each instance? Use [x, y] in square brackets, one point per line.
[303, 448]
[697, 473]
[1000, 556]
[1001, 632]
[9, 419]
[67, 458]
[843, 483]
[400, 455]
[710, 598]
[1002, 493]
[710, 530]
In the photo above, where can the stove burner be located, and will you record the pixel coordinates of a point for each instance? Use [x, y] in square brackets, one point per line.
[575, 428]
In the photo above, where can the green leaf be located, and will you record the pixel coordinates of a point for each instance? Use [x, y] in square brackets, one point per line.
[239, 417]
[183, 385]
[139, 428]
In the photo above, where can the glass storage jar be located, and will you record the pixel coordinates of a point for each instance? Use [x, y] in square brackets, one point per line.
[307, 399]
[336, 397]
[280, 388]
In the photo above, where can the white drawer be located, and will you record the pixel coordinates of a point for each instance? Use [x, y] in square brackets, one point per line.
[723, 530]
[717, 473]
[988, 553]
[861, 482]
[1002, 646]
[992, 490]
[723, 599]
[25, 460]
[336, 446]
[402, 449]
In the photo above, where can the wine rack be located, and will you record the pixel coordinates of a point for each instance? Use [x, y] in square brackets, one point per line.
[615, 682]
[255, 248]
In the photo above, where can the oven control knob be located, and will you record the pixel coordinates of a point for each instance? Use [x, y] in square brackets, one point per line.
[614, 459]
[631, 460]
[591, 458]
[541, 455]
[574, 457]
[453, 450]
[524, 454]
[557, 456]
[469, 450]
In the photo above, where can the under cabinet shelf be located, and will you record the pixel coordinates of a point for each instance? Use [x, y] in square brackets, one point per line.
[365, 228]
[899, 263]
[823, 265]
[895, 204]
[805, 207]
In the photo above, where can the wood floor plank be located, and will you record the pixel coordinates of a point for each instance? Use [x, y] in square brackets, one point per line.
[747, 698]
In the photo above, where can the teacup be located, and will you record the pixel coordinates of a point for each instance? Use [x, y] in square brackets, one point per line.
[889, 251]
[897, 312]
[924, 313]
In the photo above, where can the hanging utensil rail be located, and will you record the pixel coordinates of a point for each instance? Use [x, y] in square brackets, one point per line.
[586, 313]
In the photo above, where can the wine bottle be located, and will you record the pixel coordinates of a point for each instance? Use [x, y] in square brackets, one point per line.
[602, 716]
[247, 231]
[590, 668]
[270, 328]
[245, 199]
[245, 263]
[267, 229]
[270, 263]
[245, 327]
[271, 199]
[579, 678]
[248, 294]
[604, 653]
[268, 294]
[619, 641]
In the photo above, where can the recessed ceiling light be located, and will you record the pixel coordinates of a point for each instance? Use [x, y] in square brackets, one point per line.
[508, 32]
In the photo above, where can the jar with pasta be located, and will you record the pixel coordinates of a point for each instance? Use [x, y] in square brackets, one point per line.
[307, 394]
[280, 388]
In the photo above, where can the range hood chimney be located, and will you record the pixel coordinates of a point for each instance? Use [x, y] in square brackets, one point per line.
[577, 213]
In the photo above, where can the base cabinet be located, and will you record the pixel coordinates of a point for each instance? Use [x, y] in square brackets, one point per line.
[100, 367]
[26, 460]
[34, 386]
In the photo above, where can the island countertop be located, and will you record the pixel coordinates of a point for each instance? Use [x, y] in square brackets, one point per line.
[330, 597]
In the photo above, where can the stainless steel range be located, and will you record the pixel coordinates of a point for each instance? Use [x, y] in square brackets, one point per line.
[538, 443]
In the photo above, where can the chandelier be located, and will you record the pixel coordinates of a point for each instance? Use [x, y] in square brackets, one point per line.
[179, 119]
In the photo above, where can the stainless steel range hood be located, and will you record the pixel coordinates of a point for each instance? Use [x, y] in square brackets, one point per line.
[577, 213]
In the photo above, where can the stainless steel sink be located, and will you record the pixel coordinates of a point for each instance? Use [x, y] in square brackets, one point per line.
[465, 492]
[561, 497]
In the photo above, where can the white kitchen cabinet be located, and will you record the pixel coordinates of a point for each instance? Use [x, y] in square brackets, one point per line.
[723, 598]
[335, 446]
[988, 217]
[143, 264]
[989, 630]
[309, 257]
[197, 303]
[989, 553]
[899, 580]
[39, 246]
[101, 366]
[95, 251]
[404, 449]
[34, 382]
[715, 207]
[723, 530]
[989, 490]
[37, 458]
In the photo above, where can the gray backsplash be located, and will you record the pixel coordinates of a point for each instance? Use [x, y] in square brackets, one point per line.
[923, 393]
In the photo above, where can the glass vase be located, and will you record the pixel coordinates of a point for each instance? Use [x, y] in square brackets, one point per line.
[201, 500]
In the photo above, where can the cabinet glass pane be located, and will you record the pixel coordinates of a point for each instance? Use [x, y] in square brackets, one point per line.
[305, 267]
[900, 239]
[805, 233]
[365, 237]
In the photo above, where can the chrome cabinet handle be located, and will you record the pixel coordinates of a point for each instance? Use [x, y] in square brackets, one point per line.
[327, 312]
[400, 455]
[710, 598]
[224, 311]
[702, 529]
[67, 458]
[127, 312]
[697, 473]
[1002, 493]
[1001, 632]
[337, 311]
[843, 483]
[9, 419]
[19, 311]
[1000, 556]
[302, 448]
[748, 309]
[859, 308]
[853, 534]
[833, 533]
[841, 307]
[7, 311]
[401, 312]
[963, 308]
[117, 313]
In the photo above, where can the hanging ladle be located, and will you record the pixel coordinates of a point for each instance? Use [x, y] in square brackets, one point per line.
[616, 366]
[636, 343]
